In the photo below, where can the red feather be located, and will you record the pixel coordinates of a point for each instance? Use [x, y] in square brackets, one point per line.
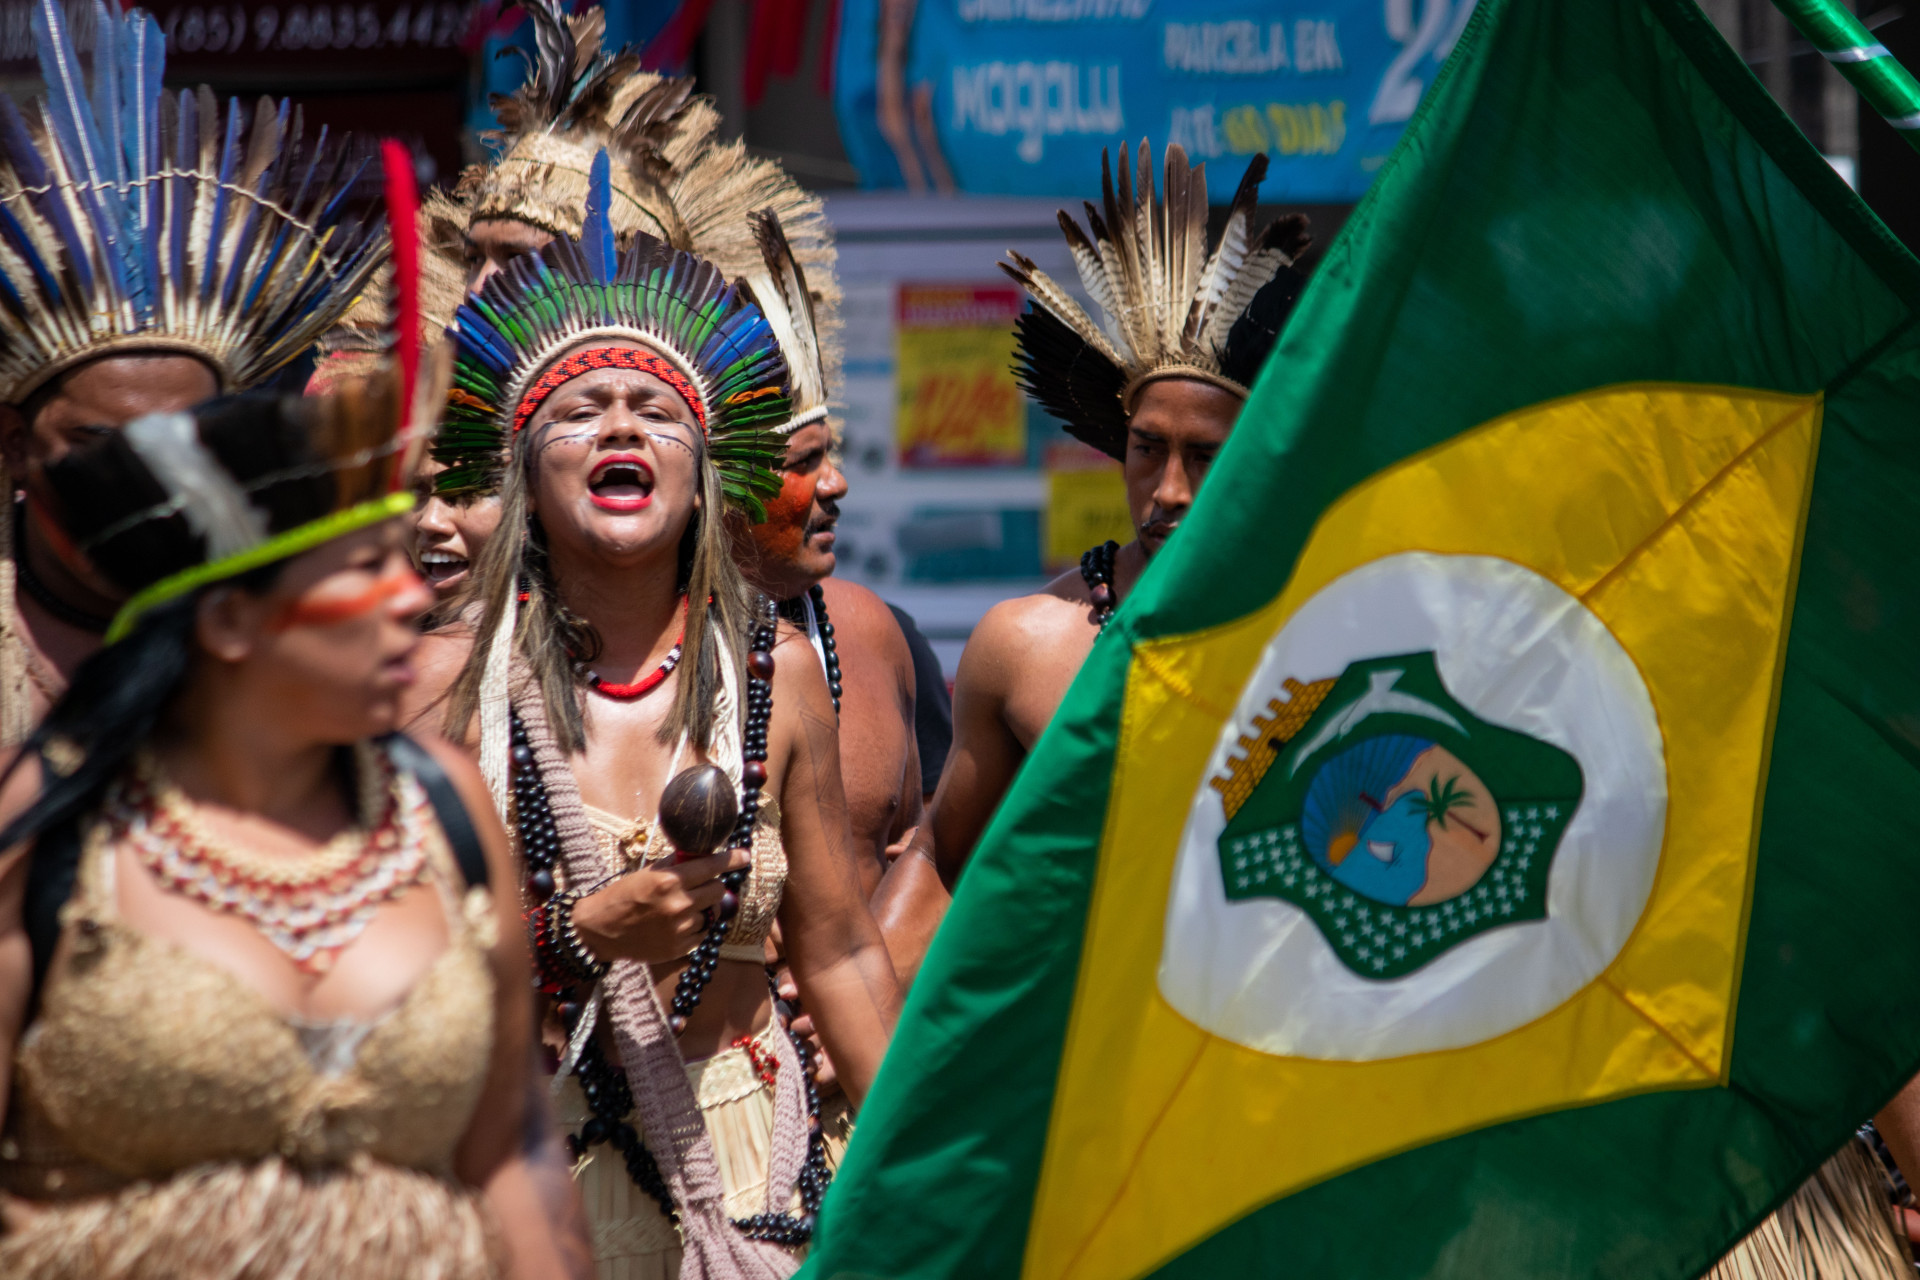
[403, 207]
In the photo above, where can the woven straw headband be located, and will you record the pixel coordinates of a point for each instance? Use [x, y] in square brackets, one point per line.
[1194, 373]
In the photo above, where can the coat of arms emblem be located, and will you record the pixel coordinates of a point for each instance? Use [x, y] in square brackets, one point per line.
[1399, 821]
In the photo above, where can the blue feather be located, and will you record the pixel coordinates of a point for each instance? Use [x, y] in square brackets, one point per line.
[106, 91]
[27, 163]
[272, 258]
[185, 158]
[736, 338]
[596, 233]
[229, 157]
[71, 121]
[483, 340]
[250, 228]
[340, 195]
[142, 64]
[17, 236]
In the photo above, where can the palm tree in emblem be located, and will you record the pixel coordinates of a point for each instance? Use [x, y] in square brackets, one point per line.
[1439, 801]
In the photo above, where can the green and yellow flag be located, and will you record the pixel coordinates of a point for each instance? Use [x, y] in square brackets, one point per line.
[1487, 843]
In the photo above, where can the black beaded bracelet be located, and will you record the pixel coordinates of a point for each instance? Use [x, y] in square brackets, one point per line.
[581, 964]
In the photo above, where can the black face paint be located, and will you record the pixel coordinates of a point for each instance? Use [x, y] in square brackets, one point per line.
[549, 440]
[661, 437]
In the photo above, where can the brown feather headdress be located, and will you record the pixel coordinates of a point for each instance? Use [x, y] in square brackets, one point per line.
[1172, 309]
[673, 177]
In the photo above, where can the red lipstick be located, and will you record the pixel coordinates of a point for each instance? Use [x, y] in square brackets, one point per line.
[621, 482]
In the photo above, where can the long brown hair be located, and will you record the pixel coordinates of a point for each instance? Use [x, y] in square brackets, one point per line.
[547, 634]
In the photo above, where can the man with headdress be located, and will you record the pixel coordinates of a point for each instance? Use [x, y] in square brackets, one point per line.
[134, 280]
[1158, 389]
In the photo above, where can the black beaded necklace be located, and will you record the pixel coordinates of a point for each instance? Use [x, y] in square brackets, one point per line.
[604, 1085]
[796, 613]
[1096, 568]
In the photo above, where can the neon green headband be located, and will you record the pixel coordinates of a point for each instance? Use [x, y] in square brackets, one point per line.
[280, 546]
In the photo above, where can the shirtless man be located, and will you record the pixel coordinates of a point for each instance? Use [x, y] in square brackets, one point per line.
[786, 557]
[1163, 408]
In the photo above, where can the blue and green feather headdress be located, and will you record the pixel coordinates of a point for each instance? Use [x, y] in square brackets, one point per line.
[134, 219]
[541, 308]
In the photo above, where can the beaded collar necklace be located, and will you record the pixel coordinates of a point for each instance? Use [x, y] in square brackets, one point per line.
[311, 907]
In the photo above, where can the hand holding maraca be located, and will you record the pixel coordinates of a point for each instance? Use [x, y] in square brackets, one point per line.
[658, 915]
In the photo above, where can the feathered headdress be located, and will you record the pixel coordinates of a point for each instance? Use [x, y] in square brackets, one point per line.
[780, 288]
[178, 501]
[673, 177]
[135, 219]
[357, 344]
[711, 341]
[1172, 310]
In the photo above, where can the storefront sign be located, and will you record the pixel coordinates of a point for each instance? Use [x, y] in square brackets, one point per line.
[354, 43]
[958, 403]
[1018, 96]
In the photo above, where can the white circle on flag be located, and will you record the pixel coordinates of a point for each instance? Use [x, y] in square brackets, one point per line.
[1519, 652]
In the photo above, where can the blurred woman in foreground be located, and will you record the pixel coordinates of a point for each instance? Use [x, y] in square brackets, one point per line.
[262, 982]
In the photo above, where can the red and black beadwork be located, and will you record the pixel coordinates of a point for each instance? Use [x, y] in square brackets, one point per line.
[565, 371]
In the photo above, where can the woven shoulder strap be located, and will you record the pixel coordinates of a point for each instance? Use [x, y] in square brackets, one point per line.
[455, 823]
[52, 869]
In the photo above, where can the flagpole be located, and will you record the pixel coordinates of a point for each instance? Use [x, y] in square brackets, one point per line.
[1888, 87]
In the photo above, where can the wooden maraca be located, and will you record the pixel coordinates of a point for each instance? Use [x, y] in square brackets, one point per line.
[698, 810]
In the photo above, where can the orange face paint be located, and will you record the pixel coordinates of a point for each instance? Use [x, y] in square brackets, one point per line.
[329, 612]
[778, 537]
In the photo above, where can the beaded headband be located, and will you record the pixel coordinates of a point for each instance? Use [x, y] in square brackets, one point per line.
[558, 375]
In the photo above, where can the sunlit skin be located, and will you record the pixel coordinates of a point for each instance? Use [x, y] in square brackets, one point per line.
[494, 242]
[792, 551]
[786, 555]
[615, 458]
[1025, 652]
[103, 395]
[281, 680]
[448, 532]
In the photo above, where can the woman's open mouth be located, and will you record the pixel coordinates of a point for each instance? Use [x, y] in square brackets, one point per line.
[623, 482]
[442, 568]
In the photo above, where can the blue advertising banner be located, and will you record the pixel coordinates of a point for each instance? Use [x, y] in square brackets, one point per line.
[1016, 97]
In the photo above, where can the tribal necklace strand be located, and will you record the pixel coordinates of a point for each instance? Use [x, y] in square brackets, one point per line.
[796, 612]
[310, 907]
[645, 684]
[602, 1082]
[1096, 569]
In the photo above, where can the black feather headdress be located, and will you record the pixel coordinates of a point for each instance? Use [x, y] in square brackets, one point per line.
[1172, 309]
